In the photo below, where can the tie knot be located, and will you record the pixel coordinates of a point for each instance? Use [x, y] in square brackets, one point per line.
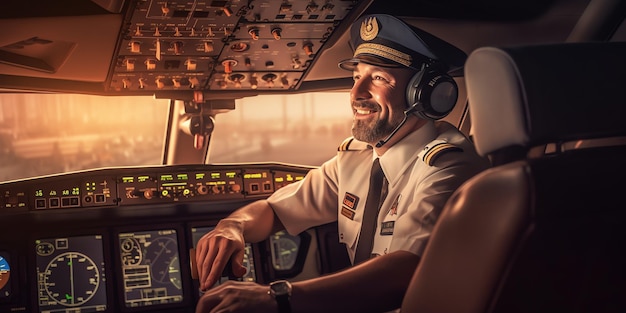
[377, 171]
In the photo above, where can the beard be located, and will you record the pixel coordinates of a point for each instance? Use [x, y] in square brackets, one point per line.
[374, 131]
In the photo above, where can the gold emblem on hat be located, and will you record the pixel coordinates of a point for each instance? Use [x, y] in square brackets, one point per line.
[369, 29]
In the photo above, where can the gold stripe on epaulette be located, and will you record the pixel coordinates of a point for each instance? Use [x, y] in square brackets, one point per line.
[345, 145]
[433, 153]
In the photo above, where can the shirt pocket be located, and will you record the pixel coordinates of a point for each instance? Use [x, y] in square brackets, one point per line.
[348, 231]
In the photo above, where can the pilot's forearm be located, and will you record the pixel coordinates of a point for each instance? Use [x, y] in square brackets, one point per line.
[374, 286]
[256, 221]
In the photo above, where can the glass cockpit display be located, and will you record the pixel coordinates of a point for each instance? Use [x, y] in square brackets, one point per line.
[70, 274]
[150, 268]
[5, 274]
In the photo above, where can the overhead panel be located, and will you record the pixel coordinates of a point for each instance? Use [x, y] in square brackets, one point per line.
[223, 45]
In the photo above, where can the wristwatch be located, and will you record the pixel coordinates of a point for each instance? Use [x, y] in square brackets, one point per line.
[281, 291]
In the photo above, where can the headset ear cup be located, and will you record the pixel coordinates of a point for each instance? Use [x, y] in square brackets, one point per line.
[437, 92]
[412, 91]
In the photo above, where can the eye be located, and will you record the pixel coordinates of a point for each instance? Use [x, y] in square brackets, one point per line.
[380, 78]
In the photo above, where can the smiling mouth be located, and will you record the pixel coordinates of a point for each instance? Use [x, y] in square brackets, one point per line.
[364, 111]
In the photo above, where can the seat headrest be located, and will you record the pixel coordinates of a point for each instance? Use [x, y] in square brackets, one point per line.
[534, 95]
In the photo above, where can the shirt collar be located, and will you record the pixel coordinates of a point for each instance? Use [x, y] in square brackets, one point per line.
[402, 154]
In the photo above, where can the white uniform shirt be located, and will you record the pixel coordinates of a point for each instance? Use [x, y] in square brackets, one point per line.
[417, 191]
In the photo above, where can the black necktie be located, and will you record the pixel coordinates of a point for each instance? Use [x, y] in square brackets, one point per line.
[375, 197]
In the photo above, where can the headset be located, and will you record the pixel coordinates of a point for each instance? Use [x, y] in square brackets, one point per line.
[431, 93]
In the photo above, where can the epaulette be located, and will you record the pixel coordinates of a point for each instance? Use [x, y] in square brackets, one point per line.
[351, 144]
[435, 149]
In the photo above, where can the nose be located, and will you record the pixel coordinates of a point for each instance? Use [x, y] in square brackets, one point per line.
[360, 89]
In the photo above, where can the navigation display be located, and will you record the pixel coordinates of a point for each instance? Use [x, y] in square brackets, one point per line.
[70, 274]
[150, 268]
[248, 259]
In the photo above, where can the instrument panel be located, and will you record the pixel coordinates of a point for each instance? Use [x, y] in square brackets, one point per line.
[119, 239]
[223, 45]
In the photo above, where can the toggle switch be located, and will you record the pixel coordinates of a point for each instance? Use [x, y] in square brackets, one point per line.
[308, 48]
[165, 9]
[135, 47]
[296, 63]
[178, 47]
[130, 65]
[228, 65]
[142, 83]
[193, 82]
[254, 33]
[126, 82]
[254, 83]
[159, 83]
[151, 64]
[311, 7]
[277, 32]
[237, 79]
[269, 79]
[191, 65]
[208, 47]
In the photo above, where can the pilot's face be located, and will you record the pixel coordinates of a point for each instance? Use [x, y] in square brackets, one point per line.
[378, 100]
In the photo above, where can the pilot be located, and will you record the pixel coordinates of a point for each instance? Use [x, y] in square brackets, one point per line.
[401, 90]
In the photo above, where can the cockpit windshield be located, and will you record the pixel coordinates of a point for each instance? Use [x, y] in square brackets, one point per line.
[43, 134]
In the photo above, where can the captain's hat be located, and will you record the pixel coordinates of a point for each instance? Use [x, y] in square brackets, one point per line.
[386, 41]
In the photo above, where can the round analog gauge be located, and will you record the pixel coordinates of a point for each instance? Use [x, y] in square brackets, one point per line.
[5, 271]
[131, 253]
[174, 273]
[44, 249]
[71, 279]
[284, 250]
[162, 255]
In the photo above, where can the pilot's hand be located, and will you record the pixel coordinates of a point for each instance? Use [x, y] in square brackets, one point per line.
[234, 296]
[224, 243]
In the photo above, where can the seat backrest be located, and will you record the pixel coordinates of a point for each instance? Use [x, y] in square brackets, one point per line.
[544, 230]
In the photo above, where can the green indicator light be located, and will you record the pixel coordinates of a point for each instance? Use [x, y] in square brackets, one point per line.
[164, 192]
[186, 191]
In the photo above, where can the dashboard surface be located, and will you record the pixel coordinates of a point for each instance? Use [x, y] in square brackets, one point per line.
[120, 239]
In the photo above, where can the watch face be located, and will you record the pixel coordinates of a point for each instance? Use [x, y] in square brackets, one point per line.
[280, 288]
